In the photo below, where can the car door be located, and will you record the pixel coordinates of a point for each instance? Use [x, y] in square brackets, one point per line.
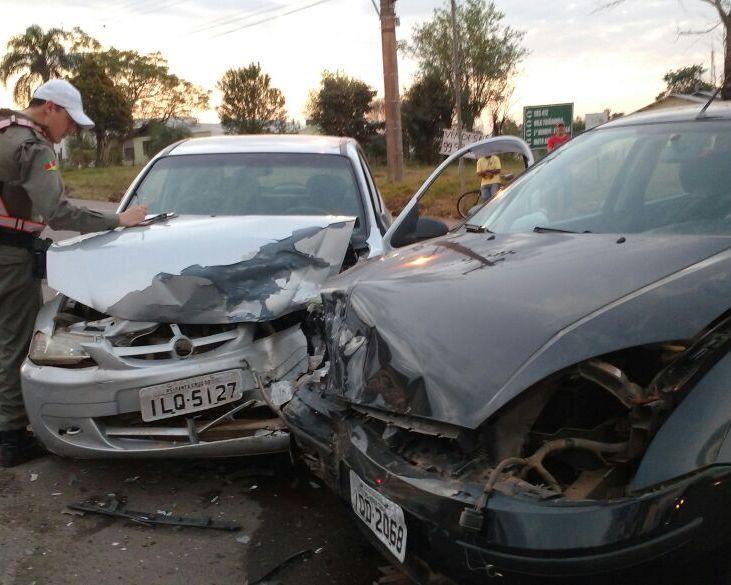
[409, 226]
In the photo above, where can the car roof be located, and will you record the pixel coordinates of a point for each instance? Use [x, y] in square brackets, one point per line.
[280, 143]
[717, 111]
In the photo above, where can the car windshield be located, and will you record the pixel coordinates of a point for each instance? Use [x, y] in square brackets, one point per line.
[659, 178]
[252, 184]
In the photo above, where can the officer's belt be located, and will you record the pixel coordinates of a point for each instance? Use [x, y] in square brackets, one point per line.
[18, 239]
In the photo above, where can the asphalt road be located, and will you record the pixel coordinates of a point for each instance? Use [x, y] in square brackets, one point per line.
[280, 514]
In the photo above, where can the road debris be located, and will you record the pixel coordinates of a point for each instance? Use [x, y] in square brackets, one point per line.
[243, 539]
[33, 476]
[116, 509]
[301, 555]
[390, 575]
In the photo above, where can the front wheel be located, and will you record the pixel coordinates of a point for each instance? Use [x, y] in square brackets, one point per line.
[467, 201]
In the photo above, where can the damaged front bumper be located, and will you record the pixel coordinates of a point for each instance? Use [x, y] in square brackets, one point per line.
[164, 336]
[522, 533]
[95, 411]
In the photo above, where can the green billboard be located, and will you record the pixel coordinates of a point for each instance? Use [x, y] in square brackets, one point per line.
[539, 122]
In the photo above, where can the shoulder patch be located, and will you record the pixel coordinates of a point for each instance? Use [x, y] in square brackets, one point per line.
[51, 165]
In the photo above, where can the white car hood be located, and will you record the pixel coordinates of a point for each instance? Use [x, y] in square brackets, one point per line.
[195, 269]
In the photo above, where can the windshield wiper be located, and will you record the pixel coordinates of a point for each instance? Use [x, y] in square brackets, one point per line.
[540, 229]
[477, 229]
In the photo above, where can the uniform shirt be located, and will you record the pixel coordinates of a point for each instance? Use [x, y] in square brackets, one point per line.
[489, 163]
[32, 188]
[555, 141]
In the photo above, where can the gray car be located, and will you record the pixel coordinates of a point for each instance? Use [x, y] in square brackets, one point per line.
[163, 336]
[545, 390]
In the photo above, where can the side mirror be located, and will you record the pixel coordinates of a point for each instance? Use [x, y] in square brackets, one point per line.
[428, 227]
[424, 228]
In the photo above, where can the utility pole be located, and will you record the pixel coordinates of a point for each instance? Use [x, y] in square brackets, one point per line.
[457, 89]
[394, 138]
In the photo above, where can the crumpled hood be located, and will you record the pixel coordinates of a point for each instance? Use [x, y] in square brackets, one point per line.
[453, 329]
[202, 269]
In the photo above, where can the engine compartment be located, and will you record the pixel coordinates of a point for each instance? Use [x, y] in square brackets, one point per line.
[579, 434]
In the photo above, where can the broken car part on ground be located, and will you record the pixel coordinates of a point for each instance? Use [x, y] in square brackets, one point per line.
[547, 394]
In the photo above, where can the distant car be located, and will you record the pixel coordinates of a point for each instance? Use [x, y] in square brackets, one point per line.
[545, 390]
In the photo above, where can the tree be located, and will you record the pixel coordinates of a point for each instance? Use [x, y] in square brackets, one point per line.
[722, 9]
[341, 105]
[104, 104]
[163, 135]
[512, 128]
[426, 111]
[578, 126]
[489, 53]
[152, 92]
[35, 56]
[685, 80]
[499, 110]
[250, 104]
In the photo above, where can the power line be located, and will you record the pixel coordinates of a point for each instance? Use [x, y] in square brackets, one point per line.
[127, 6]
[276, 16]
[227, 20]
[146, 5]
[378, 12]
[164, 5]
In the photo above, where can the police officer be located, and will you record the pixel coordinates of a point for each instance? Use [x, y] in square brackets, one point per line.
[31, 196]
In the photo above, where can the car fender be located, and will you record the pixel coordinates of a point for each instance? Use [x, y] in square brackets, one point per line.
[695, 436]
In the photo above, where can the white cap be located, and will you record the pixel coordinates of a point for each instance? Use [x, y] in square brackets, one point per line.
[62, 93]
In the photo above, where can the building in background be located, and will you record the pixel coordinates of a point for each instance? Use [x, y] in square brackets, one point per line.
[676, 100]
[136, 149]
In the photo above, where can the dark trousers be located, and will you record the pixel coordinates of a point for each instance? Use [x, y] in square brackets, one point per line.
[20, 300]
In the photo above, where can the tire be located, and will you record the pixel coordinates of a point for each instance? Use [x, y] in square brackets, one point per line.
[467, 201]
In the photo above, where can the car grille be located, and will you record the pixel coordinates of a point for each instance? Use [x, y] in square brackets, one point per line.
[163, 342]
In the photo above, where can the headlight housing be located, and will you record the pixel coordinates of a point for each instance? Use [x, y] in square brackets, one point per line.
[60, 349]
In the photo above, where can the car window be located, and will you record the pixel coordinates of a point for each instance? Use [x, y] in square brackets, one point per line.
[680, 150]
[252, 184]
[671, 178]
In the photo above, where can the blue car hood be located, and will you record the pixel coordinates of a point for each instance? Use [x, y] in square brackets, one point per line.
[453, 329]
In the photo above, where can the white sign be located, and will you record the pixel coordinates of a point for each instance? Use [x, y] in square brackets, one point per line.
[450, 140]
[594, 120]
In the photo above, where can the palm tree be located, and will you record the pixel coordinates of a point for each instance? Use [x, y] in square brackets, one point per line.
[36, 56]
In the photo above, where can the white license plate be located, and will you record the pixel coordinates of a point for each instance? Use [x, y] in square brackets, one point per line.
[190, 395]
[381, 515]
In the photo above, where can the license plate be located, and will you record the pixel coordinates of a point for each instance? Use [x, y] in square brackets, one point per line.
[381, 515]
[190, 395]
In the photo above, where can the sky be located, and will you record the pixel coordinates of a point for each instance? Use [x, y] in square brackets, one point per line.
[596, 59]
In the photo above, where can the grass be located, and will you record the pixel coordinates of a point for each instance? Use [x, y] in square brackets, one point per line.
[99, 184]
[441, 200]
[110, 183]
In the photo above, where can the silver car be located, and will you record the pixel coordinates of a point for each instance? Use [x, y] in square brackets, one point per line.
[162, 335]
[182, 338]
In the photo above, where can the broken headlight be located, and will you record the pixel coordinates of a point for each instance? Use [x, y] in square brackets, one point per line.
[60, 349]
